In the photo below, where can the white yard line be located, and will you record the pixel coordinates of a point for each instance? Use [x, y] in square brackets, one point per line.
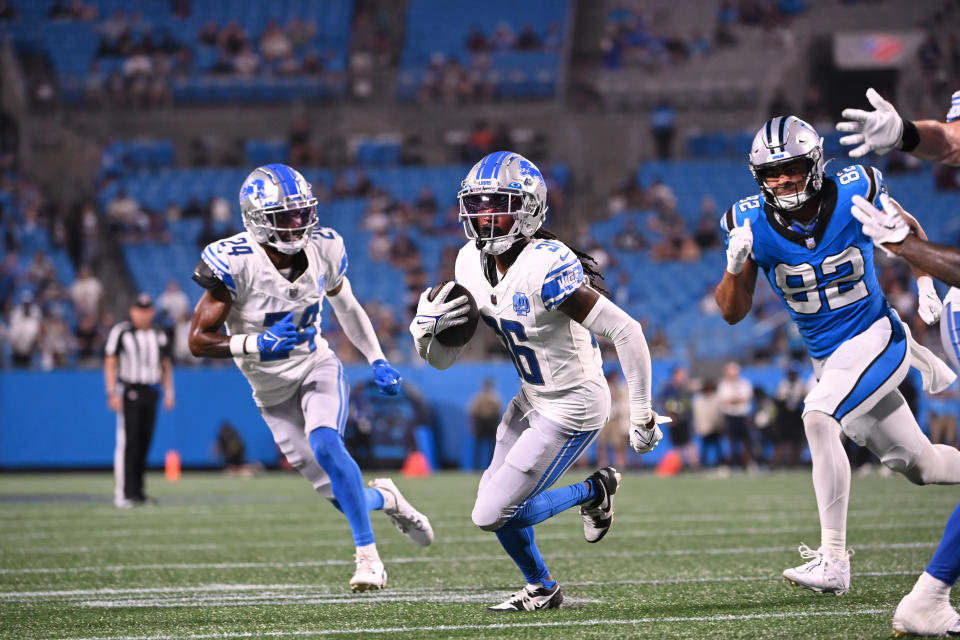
[235, 591]
[929, 544]
[165, 529]
[481, 627]
[456, 540]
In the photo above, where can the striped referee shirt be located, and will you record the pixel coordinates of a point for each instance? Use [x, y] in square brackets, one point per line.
[138, 352]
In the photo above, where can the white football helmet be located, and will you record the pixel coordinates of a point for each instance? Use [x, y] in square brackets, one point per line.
[780, 141]
[502, 183]
[278, 207]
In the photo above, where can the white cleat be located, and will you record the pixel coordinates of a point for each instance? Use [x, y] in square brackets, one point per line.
[405, 518]
[370, 573]
[826, 572]
[531, 598]
[919, 615]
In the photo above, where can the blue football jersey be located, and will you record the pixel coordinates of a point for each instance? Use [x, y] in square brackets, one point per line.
[826, 275]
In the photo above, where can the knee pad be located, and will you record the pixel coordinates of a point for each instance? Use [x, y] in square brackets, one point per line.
[290, 452]
[489, 516]
[899, 459]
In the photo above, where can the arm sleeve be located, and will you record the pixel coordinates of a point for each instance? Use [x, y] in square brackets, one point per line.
[355, 322]
[435, 354]
[564, 277]
[609, 320]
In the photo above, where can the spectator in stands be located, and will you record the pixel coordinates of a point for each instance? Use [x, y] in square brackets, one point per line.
[124, 214]
[477, 41]
[11, 276]
[246, 62]
[705, 235]
[233, 38]
[484, 410]
[734, 395]
[629, 238]
[86, 292]
[173, 304]
[677, 400]
[209, 34]
[528, 40]
[40, 270]
[275, 45]
[779, 105]
[708, 422]
[616, 433]
[943, 426]
[56, 342]
[24, 333]
[788, 429]
[553, 39]
[301, 31]
[503, 38]
[663, 128]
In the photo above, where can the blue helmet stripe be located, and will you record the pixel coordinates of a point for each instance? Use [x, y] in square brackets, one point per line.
[490, 165]
[288, 180]
[783, 124]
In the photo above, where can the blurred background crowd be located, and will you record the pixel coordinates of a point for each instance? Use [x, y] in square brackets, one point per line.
[126, 129]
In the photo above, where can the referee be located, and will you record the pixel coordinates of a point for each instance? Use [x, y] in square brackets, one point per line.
[137, 361]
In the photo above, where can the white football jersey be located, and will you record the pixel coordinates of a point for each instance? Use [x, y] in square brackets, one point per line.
[558, 360]
[262, 297]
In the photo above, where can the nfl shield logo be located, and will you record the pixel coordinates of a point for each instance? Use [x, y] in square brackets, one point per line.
[520, 304]
[493, 299]
[811, 244]
[293, 291]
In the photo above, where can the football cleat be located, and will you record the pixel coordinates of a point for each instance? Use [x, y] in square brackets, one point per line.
[370, 573]
[826, 572]
[919, 615]
[598, 516]
[405, 518]
[531, 598]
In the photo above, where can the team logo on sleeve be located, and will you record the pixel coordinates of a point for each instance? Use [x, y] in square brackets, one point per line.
[521, 305]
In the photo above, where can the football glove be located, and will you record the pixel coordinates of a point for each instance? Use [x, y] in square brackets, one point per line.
[386, 378]
[739, 247]
[435, 316]
[308, 333]
[887, 226]
[879, 131]
[643, 439]
[279, 338]
[929, 306]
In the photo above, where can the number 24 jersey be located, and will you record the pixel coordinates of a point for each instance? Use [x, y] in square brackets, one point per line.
[262, 297]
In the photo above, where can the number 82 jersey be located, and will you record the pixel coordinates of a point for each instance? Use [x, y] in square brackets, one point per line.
[825, 277]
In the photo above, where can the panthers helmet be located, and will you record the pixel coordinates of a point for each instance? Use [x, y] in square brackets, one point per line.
[278, 207]
[782, 140]
[502, 183]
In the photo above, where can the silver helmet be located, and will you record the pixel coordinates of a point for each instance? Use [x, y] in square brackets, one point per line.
[502, 183]
[278, 207]
[780, 141]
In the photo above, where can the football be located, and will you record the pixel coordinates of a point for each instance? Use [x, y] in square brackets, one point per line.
[459, 335]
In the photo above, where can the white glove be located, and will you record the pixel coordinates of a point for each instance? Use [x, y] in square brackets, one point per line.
[887, 226]
[435, 316]
[877, 131]
[739, 247]
[928, 303]
[643, 439]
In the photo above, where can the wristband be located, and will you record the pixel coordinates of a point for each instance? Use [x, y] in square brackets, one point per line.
[243, 345]
[910, 138]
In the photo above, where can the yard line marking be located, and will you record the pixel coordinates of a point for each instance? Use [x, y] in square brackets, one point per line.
[164, 529]
[417, 560]
[503, 625]
[337, 591]
[457, 540]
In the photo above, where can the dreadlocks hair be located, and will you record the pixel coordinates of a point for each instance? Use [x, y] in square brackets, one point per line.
[587, 261]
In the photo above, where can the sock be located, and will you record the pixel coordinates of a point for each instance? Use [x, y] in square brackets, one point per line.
[522, 549]
[835, 540]
[549, 503]
[549, 583]
[373, 497]
[945, 564]
[831, 478]
[931, 587]
[345, 480]
[369, 552]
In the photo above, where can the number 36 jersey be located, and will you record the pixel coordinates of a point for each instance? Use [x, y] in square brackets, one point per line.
[557, 359]
[262, 297]
[826, 276]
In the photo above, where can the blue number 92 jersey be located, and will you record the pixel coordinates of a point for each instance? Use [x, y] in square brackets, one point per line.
[826, 276]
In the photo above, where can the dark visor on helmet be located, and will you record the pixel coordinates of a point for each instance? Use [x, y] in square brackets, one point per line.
[791, 166]
[293, 218]
[491, 203]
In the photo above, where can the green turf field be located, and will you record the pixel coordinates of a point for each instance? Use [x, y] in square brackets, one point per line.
[695, 556]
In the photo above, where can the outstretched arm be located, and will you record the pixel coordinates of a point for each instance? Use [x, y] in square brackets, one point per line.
[355, 321]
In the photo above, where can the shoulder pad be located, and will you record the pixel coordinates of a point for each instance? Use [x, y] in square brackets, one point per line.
[216, 257]
[204, 276]
[749, 207]
[861, 180]
[563, 275]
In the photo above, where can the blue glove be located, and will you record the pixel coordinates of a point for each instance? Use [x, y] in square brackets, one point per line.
[309, 333]
[387, 378]
[279, 338]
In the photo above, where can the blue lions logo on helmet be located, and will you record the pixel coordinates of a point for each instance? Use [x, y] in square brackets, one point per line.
[528, 169]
